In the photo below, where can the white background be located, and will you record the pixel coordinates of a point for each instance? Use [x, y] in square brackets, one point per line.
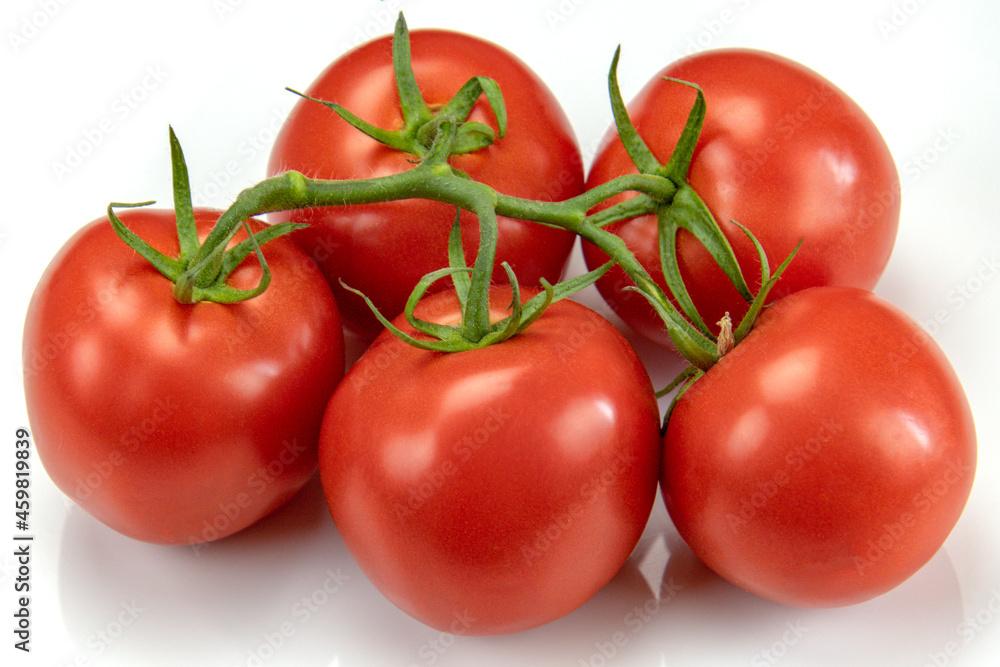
[106, 77]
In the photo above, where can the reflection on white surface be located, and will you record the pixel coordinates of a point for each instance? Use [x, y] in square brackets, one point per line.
[286, 592]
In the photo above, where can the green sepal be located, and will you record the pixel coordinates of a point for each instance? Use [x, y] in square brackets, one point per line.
[636, 148]
[235, 255]
[169, 267]
[199, 271]
[440, 331]
[523, 316]
[510, 325]
[687, 211]
[187, 232]
[684, 381]
[767, 282]
[692, 350]
[461, 337]
[535, 306]
[568, 287]
[391, 138]
[434, 345]
[456, 259]
[220, 292]
[427, 135]
[677, 166]
[415, 111]
[472, 135]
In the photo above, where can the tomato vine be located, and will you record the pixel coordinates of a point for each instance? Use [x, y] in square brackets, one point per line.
[433, 137]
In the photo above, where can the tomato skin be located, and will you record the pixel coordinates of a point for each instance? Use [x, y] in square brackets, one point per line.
[173, 423]
[502, 486]
[826, 459]
[783, 152]
[384, 249]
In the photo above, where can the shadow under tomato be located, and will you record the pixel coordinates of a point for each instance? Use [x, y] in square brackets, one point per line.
[219, 603]
[287, 592]
[709, 616]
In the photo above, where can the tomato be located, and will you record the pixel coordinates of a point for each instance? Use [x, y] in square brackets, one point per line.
[783, 152]
[827, 457]
[493, 490]
[177, 423]
[384, 249]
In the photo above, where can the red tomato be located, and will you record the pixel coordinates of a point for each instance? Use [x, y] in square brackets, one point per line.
[494, 490]
[827, 457]
[384, 249]
[783, 152]
[176, 423]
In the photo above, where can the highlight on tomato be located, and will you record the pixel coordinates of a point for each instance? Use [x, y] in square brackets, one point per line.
[402, 90]
[175, 384]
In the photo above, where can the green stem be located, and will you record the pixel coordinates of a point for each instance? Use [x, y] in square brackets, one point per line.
[437, 181]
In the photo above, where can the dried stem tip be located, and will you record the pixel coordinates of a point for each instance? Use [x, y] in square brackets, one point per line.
[725, 342]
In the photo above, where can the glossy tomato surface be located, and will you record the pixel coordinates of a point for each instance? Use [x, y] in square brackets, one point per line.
[176, 423]
[494, 490]
[827, 457]
[384, 249]
[783, 152]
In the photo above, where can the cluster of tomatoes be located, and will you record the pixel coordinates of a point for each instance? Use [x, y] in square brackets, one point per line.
[820, 462]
